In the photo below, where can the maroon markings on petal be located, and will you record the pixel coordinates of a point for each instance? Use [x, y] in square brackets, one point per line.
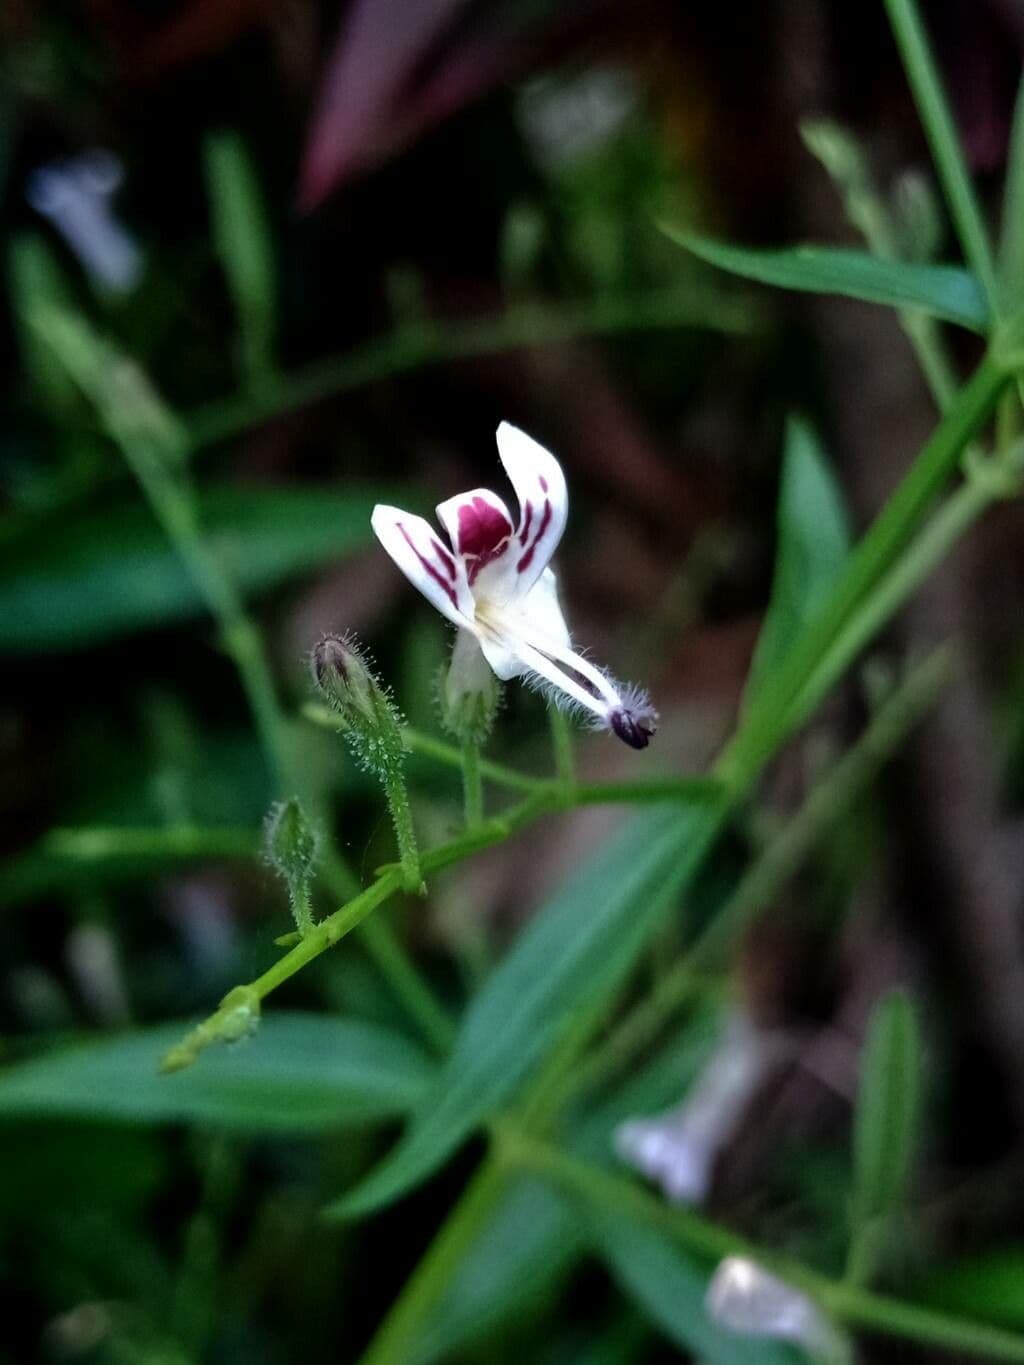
[634, 728]
[484, 534]
[429, 569]
[524, 533]
[447, 563]
[543, 483]
[545, 521]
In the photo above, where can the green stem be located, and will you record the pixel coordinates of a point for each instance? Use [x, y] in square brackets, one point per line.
[414, 345]
[396, 1338]
[335, 927]
[944, 141]
[302, 910]
[429, 747]
[846, 1303]
[393, 962]
[1011, 237]
[405, 834]
[696, 790]
[827, 803]
[561, 744]
[472, 789]
[770, 719]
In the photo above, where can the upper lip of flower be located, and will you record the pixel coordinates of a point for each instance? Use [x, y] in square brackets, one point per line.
[494, 581]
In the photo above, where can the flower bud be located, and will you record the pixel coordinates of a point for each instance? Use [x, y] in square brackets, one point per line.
[290, 842]
[341, 675]
[470, 693]
[368, 716]
[290, 847]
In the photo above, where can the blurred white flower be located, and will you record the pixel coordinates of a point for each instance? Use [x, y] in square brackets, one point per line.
[744, 1298]
[75, 194]
[679, 1149]
[494, 583]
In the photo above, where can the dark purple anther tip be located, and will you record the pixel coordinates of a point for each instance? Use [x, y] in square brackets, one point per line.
[634, 728]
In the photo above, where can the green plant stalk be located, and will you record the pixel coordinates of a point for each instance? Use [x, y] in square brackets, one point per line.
[649, 791]
[950, 523]
[337, 926]
[561, 745]
[413, 345]
[869, 213]
[405, 834]
[828, 802]
[472, 788]
[846, 1303]
[380, 941]
[940, 130]
[302, 910]
[770, 719]
[1011, 236]
[396, 1338]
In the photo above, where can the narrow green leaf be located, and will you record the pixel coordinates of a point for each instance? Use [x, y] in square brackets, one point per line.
[534, 1239]
[813, 545]
[669, 1286]
[300, 1073]
[885, 1124]
[36, 283]
[69, 584]
[940, 130]
[1011, 236]
[944, 291]
[242, 236]
[576, 950]
[988, 1286]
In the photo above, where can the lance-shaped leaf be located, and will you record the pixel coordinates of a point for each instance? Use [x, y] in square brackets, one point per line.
[812, 547]
[573, 954]
[300, 1074]
[888, 1103]
[68, 584]
[944, 291]
[669, 1286]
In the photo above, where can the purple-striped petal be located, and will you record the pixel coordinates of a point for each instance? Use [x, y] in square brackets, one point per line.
[425, 560]
[537, 477]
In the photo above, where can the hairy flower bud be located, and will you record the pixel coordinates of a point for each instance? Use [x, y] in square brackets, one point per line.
[470, 693]
[366, 711]
[290, 847]
[290, 841]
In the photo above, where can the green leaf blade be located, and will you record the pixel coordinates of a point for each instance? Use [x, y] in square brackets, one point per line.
[669, 1287]
[572, 954]
[943, 291]
[813, 547]
[301, 1074]
[65, 586]
[888, 1105]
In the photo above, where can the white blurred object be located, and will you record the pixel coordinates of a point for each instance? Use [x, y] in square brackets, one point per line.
[746, 1299]
[679, 1149]
[562, 117]
[92, 958]
[75, 194]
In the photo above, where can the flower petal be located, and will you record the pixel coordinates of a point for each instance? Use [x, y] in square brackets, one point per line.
[482, 533]
[537, 477]
[427, 563]
[542, 609]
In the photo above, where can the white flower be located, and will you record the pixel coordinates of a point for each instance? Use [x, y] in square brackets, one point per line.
[746, 1299]
[495, 584]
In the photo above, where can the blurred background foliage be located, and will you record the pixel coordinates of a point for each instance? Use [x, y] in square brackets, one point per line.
[329, 248]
